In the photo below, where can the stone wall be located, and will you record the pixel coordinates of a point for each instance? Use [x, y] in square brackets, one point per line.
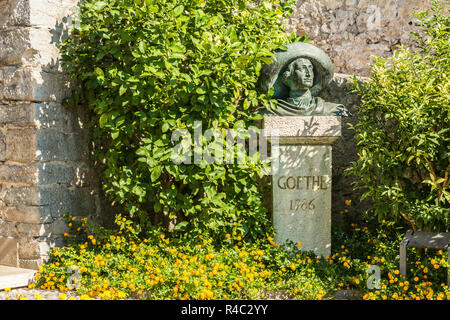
[350, 31]
[45, 165]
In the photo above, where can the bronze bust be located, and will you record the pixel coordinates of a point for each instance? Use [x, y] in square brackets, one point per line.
[297, 76]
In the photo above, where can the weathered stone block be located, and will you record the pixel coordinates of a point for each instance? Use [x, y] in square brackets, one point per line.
[30, 264]
[16, 84]
[52, 115]
[57, 200]
[14, 13]
[61, 117]
[333, 4]
[8, 229]
[28, 229]
[32, 84]
[55, 145]
[55, 173]
[51, 86]
[20, 195]
[21, 114]
[70, 173]
[18, 173]
[21, 144]
[29, 248]
[29, 46]
[13, 44]
[47, 13]
[25, 214]
[2, 146]
[8, 251]
[76, 202]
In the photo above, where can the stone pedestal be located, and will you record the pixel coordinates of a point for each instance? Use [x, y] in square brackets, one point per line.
[301, 169]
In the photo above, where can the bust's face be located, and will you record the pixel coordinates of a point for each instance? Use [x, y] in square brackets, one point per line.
[301, 75]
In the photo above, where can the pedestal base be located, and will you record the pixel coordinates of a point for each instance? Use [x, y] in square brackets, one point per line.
[301, 169]
[302, 197]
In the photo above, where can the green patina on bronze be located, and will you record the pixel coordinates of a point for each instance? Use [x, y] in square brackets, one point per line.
[297, 76]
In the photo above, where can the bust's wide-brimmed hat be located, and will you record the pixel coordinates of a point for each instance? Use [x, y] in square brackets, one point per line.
[323, 68]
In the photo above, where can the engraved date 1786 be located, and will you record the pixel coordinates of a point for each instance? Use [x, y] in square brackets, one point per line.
[304, 205]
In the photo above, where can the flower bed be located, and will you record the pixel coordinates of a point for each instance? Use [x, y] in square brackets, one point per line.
[117, 264]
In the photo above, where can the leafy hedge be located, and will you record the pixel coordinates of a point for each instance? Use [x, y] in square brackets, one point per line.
[148, 68]
[403, 130]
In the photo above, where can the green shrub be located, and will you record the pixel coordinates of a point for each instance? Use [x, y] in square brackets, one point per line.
[148, 68]
[115, 264]
[403, 130]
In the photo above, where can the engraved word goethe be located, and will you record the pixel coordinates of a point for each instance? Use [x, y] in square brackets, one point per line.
[294, 183]
[303, 182]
